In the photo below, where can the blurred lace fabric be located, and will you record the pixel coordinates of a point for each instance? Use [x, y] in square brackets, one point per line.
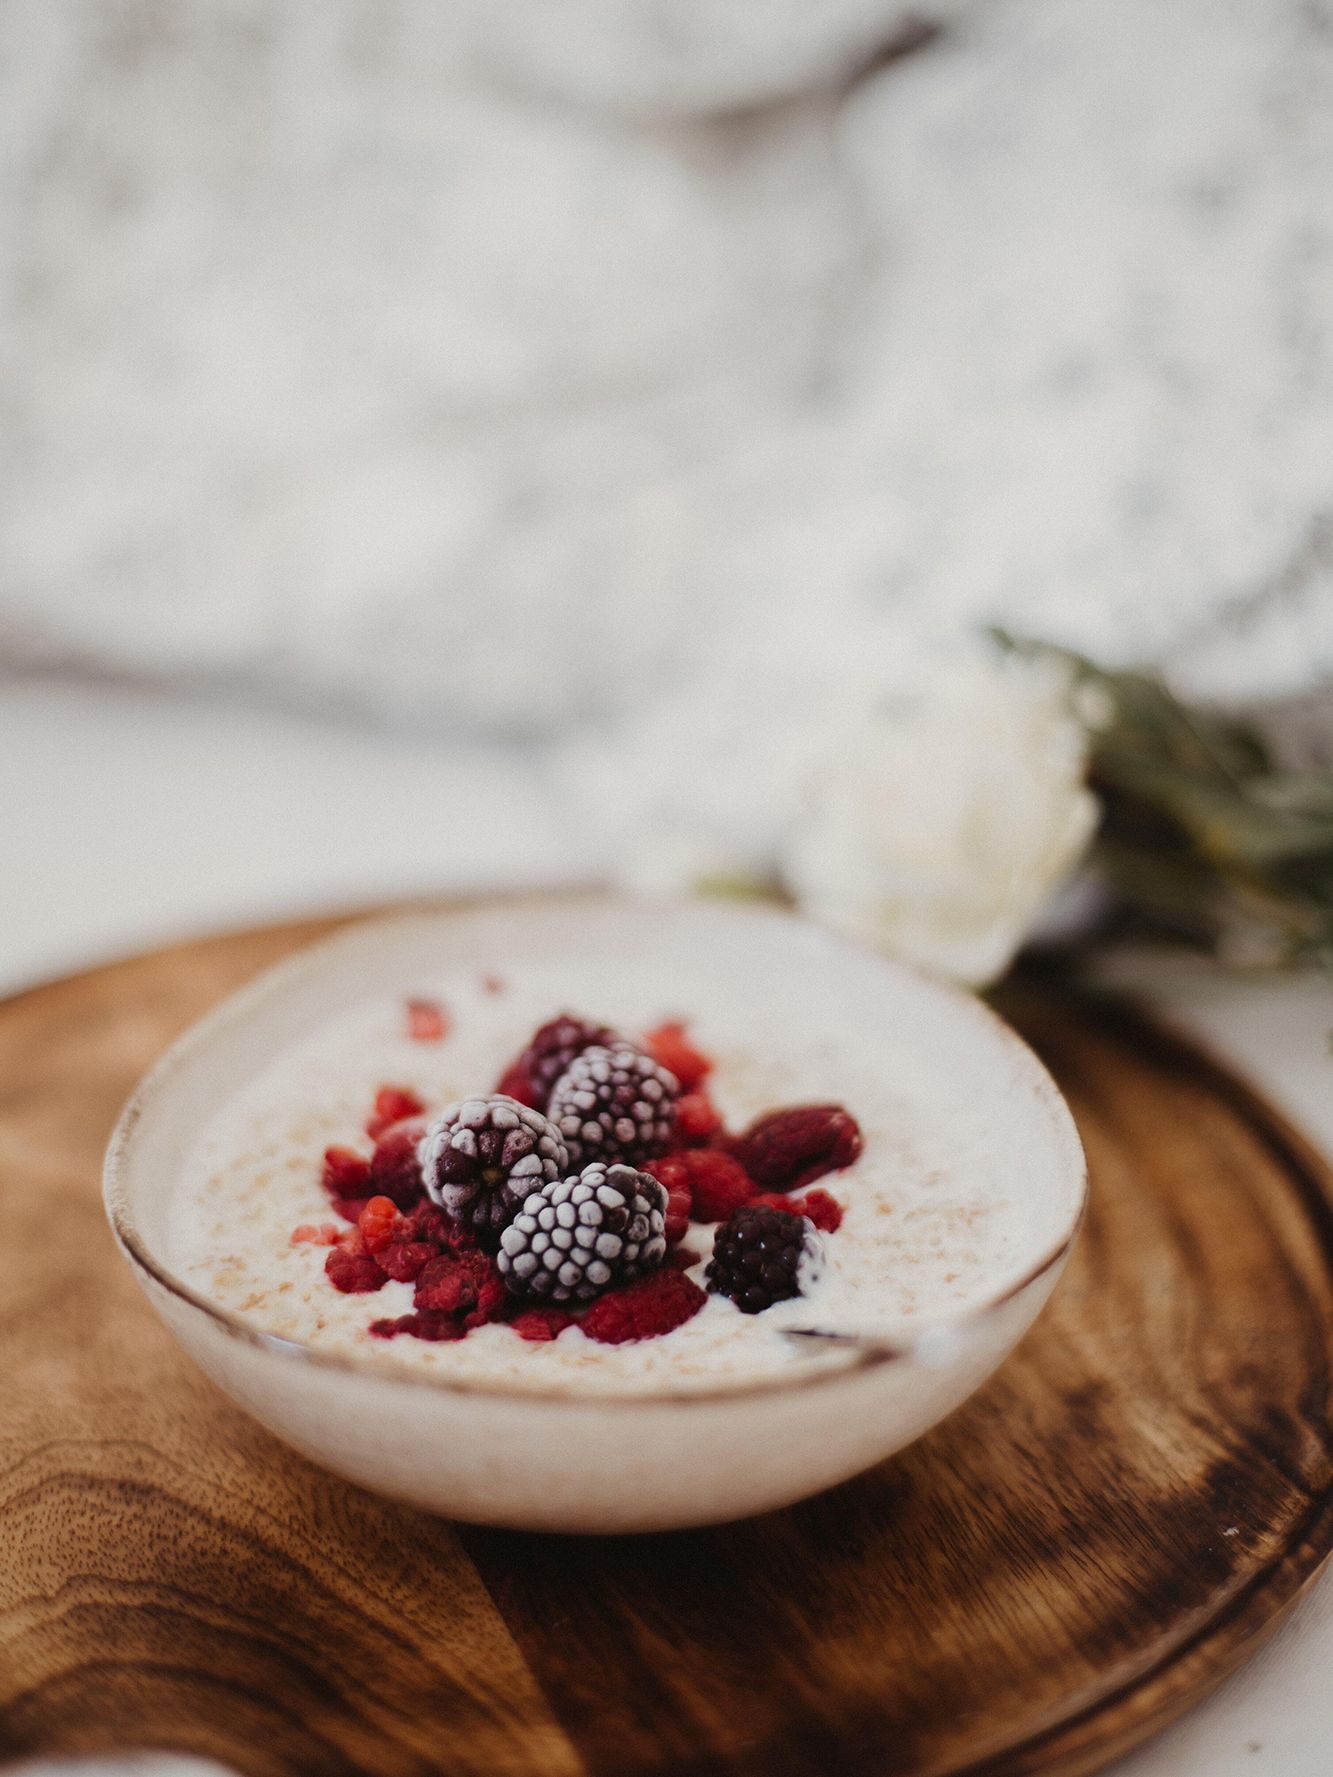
[589, 371]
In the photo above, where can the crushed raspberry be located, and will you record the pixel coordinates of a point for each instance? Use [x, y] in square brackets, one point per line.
[823, 1210]
[541, 1325]
[346, 1173]
[376, 1223]
[421, 1325]
[427, 1021]
[349, 1208]
[429, 1223]
[464, 1284]
[443, 1285]
[352, 1273]
[350, 1241]
[656, 1304]
[493, 983]
[680, 1207]
[785, 1150]
[315, 1234]
[394, 1169]
[697, 1119]
[671, 1049]
[514, 1083]
[392, 1104]
[672, 1172]
[718, 1184]
[404, 1260]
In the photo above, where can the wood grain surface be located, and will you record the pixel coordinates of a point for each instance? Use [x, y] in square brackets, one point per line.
[1074, 1557]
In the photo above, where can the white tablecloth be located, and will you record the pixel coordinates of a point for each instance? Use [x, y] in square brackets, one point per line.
[128, 820]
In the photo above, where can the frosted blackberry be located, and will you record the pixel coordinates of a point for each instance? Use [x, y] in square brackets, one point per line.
[758, 1257]
[554, 1047]
[482, 1156]
[614, 1103]
[579, 1236]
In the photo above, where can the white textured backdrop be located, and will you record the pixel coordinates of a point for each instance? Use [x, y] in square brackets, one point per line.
[513, 369]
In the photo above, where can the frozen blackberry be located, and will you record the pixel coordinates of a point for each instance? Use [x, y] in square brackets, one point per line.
[614, 1103]
[579, 1236]
[482, 1156]
[758, 1257]
[554, 1047]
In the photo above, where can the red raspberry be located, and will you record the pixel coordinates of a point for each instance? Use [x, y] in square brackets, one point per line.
[718, 1184]
[490, 1304]
[672, 1172]
[346, 1173]
[376, 1223]
[464, 1284]
[541, 1325]
[315, 1234]
[421, 1325]
[394, 1169]
[349, 1208]
[823, 1210]
[785, 1150]
[351, 1273]
[679, 1209]
[392, 1104]
[431, 1225]
[404, 1260]
[670, 1048]
[681, 1258]
[697, 1120]
[656, 1304]
[427, 1021]
[514, 1083]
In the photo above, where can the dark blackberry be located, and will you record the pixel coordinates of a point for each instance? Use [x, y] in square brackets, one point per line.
[552, 1049]
[482, 1156]
[614, 1103]
[758, 1256]
[579, 1236]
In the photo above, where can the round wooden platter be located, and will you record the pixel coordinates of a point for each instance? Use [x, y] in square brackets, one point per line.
[1066, 1564]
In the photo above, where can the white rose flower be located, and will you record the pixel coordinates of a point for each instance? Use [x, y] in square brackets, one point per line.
[940, 828]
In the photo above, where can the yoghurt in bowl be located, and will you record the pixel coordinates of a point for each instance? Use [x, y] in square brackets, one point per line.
[956, 1214]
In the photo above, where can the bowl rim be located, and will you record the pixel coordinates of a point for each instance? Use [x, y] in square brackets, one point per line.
[863, 1354]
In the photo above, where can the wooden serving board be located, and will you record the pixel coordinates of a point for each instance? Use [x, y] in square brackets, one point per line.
[1072, 1559]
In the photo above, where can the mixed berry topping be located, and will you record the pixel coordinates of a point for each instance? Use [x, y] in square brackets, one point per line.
[786, 1150]
[392, 1104]
[427, 1021]
[558, 1043]
[395, 1168]
[672, 1049]
[482, 1156]
[614, 1103]
[541, 1325]
[698, 1120]
[656, 1304]
[566, 1197]
[717, 1184]
[819, 1207]
[579, 1236]
[759, 1255]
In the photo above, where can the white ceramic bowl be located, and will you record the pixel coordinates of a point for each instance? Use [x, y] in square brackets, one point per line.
[505, 1454]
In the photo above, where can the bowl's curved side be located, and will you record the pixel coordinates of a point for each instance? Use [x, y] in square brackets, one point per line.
[596, 1465]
